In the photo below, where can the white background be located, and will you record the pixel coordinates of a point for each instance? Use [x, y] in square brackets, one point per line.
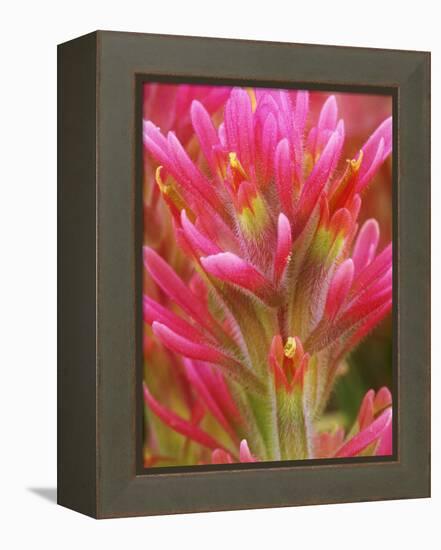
[29, 34]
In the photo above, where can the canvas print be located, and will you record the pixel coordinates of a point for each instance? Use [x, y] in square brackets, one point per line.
[267, 282]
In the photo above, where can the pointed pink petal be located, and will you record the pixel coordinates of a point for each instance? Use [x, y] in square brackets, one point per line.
[216, 384]
[328, 114]
[205, 131]
[244, 452]
[321, 172]
[301, 109]
[284, 175]
[339, 288]
[178, 424]
[156, 312]
[354, 206]
[370, 172]
[205, 352]
[269, 141]
[385, 446]
[186, 347]
[366, 325]
[214, 97]
[189, 176]
[283, 248]
[378, 267]
[239, 128]
[288, 129]
[367, 436]
[196, 189]
[375, 151]
[311, 141]
[156, 143]
[383, 399]
[369, 322]
[284, 113]
[174, 287]
[198, 241]
[366, 413]
[365, 303]
[366, 245]
[232, 269]
[222, 135]
[199, 385]
[210, 222]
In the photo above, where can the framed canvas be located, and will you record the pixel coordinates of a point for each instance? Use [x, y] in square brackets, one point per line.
[244, 260]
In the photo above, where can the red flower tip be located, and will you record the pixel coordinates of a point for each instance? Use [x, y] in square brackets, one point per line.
[372, 433]
[244, 452]
[288, 362]
[339, 289]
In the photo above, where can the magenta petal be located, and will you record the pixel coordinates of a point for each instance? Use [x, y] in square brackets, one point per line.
[188, 174]
[385, 445]
[339, 288]
[370, 171]
[375, 151]
[185, 346]
[269, 140]
[366, 245]
[205, 352]
[232, 269]
[205, 131]
[199, 385]
[218, 388]
[367, 436]
[239, 128]
[365, 304]
[328, 114]
[157, 145]
[197, 240]
[244, 452]
[178, 424]
[321, 171]
[379, 266]
[284, 247]
[366, 413]
[153, 311]
[301, 109]
[383, 398]
[176, 289]
[284, 176]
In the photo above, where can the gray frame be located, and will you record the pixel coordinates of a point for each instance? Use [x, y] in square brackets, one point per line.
[98, 393]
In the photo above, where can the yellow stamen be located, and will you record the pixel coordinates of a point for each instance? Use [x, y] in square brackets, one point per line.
[171, 194]
[290, 347]
[235, 164]
[162, 186]
[252, 95]
[356, 163]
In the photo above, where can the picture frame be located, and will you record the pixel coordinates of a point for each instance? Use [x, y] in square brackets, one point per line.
[100, 471]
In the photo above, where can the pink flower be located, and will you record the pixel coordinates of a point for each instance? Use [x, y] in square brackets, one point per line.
[266, 215]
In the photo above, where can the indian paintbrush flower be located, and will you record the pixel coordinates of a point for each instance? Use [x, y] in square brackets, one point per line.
[282, 285]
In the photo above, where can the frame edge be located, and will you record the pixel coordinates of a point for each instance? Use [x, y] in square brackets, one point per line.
[76, 188]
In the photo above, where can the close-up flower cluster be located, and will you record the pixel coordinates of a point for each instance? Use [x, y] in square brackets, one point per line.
[267, 261]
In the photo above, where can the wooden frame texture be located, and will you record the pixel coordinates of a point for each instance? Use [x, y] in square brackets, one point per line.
[99, 467]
